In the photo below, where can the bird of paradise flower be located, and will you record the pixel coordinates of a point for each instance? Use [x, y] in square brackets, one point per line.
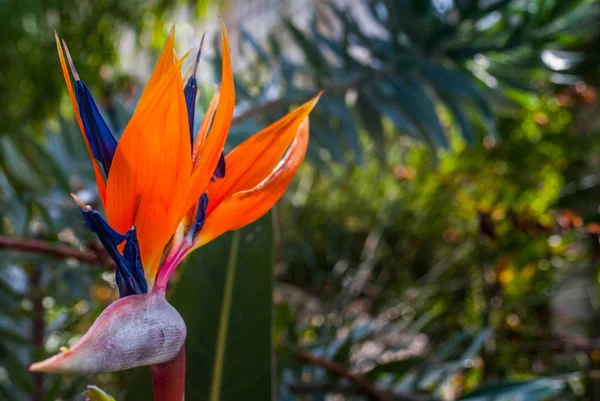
[167, 192]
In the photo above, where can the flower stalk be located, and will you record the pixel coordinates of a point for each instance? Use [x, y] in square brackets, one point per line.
[168, 379]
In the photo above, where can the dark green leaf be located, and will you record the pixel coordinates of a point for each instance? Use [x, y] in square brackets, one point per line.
[371, 121]
[225, 298]
[417, 104]
[535, 390]
[309, 48]
[396, 368]
[335, 106]
[262, 55]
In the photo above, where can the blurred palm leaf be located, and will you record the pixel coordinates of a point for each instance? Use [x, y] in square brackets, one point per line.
[403, 62]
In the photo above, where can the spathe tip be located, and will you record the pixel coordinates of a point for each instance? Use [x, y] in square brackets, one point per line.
[83, 206]
[313, 102]
[70, 61]
[52, 364]
[197, 61]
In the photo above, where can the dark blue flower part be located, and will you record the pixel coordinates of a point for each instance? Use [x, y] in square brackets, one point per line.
[220, 170]
[130, 273]
[200, 217]
[132, 276]
[189, 92]
[101, 140]
[109, 238]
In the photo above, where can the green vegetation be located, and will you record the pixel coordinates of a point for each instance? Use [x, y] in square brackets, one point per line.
[441, 242]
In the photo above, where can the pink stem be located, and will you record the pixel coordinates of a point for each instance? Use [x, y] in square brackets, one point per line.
[168, 267]
[168, 379]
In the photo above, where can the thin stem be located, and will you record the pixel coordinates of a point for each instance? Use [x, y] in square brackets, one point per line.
[172, 260]
[56, 251]
[168, 379]
[37, 329]
[339, 370]
[366, 386]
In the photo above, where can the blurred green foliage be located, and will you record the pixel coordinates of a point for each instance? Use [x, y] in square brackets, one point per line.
[448, 203]
[425, 67]
[30, 82]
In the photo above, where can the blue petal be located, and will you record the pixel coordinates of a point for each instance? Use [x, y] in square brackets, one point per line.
[189, 92]
[101, 140]
[130, 273]
[220, 170]
[200, 217]
[109, 238]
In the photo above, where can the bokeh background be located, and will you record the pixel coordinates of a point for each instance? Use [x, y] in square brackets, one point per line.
[441, 241]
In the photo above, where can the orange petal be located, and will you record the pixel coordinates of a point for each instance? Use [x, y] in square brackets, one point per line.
[197, 148]
[150, 173]
[245, 207]
[165, 62]
[201, 135]
[213, 146]
[97, 172]
[255, 158]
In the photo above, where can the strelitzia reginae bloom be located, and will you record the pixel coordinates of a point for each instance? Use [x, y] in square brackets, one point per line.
[167, 191]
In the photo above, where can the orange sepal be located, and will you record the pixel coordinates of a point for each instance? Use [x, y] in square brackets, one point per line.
[197, 148]
[255, 158]
[245, 207]
[97, 172]
[150, 172]
[165, 62]
[214, 143]
[203, 130]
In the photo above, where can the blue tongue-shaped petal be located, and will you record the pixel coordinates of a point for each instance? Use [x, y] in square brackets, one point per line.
[132, 276]
[199, 218]
[220, 170]
[101, 140]
[109, 238]
[189, 92]
[130, 273]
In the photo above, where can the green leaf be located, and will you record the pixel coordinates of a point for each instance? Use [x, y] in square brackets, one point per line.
[418, 105]
[371, 120]
[309, 48]
[336, 107]
[260, 52]
[322, 133]
[225, 296]
[454, 367]
[536, 390]
[94, 393]
[394, 113]
[46, 166]
[397, 368]
[454, 89]
[17, 169]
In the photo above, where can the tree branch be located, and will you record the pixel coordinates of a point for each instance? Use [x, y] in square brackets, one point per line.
[38, 327]
[363, 384]
[96, 256]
